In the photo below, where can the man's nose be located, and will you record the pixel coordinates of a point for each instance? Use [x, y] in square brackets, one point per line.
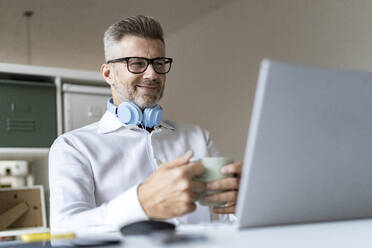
[150, 73]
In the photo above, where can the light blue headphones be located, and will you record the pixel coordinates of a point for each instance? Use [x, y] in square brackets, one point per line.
[130, 113]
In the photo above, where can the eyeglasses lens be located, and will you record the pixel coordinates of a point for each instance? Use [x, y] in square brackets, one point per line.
[139, 65]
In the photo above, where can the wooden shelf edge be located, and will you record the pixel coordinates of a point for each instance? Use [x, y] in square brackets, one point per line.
[41, 150]
[23, 153]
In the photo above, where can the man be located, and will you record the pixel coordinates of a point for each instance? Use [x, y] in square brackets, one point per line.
[117, 170]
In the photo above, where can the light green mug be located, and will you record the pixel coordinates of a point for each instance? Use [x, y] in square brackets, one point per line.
[212, 172]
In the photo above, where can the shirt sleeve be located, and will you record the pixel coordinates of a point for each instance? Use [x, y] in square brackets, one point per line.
[72, 194]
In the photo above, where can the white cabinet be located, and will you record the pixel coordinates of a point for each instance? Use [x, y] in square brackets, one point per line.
[80, 99]
[83, 104]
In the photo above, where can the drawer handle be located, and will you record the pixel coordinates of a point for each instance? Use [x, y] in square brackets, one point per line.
[20, 125]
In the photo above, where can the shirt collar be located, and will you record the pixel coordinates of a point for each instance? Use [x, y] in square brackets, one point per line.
[110, 123]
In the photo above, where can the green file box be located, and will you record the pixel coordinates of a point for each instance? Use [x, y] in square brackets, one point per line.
[27, 113]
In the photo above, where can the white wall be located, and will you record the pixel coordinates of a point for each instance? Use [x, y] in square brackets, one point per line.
[217, 58]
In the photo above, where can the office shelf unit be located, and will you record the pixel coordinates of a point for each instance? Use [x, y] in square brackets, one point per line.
[66, 84]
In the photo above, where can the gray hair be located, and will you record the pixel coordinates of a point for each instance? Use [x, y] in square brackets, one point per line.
[139, 25]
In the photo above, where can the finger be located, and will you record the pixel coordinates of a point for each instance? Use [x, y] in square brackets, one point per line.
[181, 160]
[234, 168]
[194, 169]
[225, 210]
[197, 186]
[229, 204]
[228, 196]
[189, 197]
[189, 185]
[224, 184]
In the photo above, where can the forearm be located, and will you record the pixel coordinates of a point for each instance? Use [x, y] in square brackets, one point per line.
[79, 215]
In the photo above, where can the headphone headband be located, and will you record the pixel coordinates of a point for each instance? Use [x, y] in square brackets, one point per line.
[130, 113]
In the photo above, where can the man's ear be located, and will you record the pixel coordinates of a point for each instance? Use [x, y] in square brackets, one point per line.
[107, 73]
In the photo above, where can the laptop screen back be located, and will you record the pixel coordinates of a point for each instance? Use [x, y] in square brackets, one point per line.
[309, 151]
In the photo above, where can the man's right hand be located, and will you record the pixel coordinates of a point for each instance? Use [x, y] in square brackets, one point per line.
[171, 191]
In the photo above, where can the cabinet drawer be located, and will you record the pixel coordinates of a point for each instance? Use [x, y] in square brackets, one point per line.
[83, 104]
[27, 114]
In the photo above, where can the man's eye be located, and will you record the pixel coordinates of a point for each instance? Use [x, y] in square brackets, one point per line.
[159, 63]
[137, 64]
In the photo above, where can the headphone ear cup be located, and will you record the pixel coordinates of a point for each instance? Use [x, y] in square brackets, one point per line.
[129, 113]
[152, 116]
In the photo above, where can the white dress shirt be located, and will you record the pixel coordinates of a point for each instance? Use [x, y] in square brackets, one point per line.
[94, 171]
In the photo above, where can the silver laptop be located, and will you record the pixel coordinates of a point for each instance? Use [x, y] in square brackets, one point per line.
[309, 151]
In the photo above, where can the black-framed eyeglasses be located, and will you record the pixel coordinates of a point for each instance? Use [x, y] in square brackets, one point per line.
[137, 65]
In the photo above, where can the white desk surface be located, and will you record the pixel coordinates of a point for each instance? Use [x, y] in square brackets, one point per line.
[356, 233]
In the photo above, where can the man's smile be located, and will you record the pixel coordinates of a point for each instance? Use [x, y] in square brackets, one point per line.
[147, 88]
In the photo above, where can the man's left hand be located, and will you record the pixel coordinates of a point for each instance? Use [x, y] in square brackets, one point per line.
[230, 184]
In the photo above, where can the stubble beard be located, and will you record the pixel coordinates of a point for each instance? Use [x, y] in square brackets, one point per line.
[128, 93]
